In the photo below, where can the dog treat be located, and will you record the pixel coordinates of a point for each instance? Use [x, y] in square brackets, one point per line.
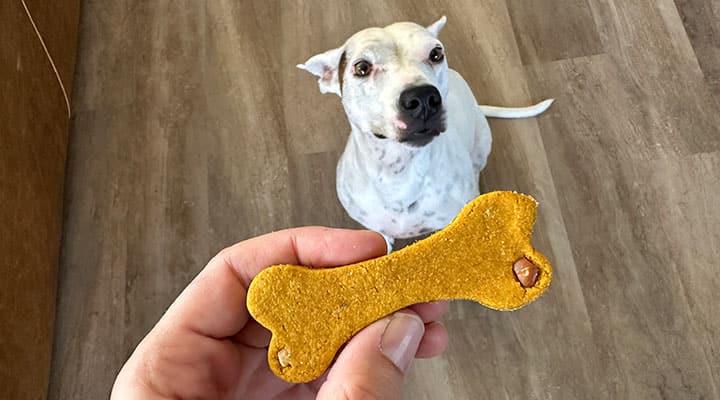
[484, 255]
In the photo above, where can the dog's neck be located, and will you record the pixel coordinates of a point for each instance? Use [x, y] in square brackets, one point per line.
[395, 168]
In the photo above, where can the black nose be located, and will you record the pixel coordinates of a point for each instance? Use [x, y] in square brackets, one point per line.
[420, 102]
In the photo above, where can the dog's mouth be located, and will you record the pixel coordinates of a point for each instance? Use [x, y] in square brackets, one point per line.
[418, 133]
[419, 137]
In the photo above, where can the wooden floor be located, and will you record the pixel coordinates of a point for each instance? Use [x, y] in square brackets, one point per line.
[194, 130]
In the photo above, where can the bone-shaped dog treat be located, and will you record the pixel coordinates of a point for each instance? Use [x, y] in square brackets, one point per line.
[484, 255]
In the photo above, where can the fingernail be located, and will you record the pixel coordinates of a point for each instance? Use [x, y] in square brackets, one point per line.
[388, 242]
[401, 338]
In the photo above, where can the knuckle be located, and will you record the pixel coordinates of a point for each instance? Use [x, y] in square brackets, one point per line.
[358, 391]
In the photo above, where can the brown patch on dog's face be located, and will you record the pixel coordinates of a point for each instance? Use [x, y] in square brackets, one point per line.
[341, 70]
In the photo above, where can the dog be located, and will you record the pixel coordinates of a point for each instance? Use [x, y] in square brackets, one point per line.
[418, 139]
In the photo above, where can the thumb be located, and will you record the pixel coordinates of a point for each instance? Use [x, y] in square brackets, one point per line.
[374, 362]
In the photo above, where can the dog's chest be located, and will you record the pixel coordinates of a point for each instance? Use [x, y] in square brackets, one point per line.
[423, 198]
[433, 210]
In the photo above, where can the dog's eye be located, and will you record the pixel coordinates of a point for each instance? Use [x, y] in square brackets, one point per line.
[362, 68]
[436, 55]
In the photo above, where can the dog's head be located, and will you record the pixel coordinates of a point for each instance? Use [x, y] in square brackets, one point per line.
[392, 81]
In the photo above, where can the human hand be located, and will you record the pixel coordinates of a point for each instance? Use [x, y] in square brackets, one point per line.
[207, 346]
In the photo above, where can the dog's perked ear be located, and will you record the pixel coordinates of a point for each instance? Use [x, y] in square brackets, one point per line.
[434, 29]
[326, 66]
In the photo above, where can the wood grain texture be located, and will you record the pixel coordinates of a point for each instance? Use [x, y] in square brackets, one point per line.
[702, 22]
[552, 30]
[33, 141]
[196, 130]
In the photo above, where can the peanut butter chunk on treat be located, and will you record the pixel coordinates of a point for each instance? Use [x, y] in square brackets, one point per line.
[484, 255]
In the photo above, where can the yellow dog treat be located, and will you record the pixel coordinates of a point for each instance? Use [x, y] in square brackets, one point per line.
[484, 255]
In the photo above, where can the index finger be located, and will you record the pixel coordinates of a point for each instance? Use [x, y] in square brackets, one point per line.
[213, 304]
[309, 247]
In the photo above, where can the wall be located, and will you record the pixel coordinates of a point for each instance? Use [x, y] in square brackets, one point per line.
[33, 140]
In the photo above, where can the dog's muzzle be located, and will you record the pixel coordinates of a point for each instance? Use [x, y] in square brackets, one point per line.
[422, 112]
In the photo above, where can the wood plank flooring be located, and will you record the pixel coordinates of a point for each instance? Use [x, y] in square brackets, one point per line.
[194, 130]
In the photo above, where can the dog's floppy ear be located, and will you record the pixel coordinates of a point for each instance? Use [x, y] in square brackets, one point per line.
[434, 29]
[325, 66]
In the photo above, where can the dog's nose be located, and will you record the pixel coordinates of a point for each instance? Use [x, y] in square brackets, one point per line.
[420, 102]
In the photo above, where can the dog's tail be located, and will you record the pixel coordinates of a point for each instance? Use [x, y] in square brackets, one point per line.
[515, 112]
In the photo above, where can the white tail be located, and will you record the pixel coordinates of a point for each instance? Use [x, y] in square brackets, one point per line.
[516, 112]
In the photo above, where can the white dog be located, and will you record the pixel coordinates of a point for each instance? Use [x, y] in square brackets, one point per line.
[418, 138]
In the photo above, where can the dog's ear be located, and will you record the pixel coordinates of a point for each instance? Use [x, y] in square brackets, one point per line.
[434, 29]
[325, 66]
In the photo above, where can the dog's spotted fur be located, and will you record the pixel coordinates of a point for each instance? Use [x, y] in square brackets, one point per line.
[388, 186]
